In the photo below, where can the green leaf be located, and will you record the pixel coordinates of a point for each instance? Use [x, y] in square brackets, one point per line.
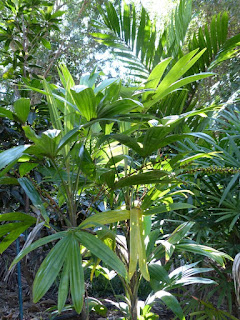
[228, 188]
[67, 138]
[142, 258]
[10, 156]
[102, 251]
[150, 177]
[214, 34]
[50, 268]
[158, 273]
[22, 109]
[57, 14]
[155, 137]
[126, 22]
[4, 113]
[169, 249]
[13, 216]
[85, 100]
[119, 107]
[106, 217]
[168, 207]
[86, 163]
[169, 82]
[182, 82]
[228, 51]
[12, 231]
[47, 143]
[156, 75]
[106, 176]
[76, 275]
[53, 106]
[170, 301]
[180, 232]
[113, 18]
[34, 196]
[36, 245]
[104, 84]
[25, 168]
[46, 43]
[8, 227]
[64, 285]
[211, 253]
[127, 141]
[153, 237]
[8, 181]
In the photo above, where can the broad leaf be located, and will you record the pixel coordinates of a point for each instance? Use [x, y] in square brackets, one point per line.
[46, 144]
[22, 109]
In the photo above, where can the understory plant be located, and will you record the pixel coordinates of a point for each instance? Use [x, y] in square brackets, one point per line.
[109, 166]
[104, 169]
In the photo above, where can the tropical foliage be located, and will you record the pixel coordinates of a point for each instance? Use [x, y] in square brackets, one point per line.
[124, 177]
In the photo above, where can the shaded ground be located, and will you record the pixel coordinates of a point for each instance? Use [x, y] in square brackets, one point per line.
[9, 308]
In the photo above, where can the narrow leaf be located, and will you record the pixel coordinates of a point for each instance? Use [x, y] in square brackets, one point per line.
[76, 275]
[102, 251]
[11, 155]
[34, 196]
[50, 268]
[105, 218]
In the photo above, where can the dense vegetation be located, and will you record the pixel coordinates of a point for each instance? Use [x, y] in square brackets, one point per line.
[135, 178]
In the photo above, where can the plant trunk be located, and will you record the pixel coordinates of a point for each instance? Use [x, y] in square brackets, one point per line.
[133, 311]
[84, 313]
[133, 296]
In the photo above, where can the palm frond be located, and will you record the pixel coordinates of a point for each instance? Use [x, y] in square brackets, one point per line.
[138, 43]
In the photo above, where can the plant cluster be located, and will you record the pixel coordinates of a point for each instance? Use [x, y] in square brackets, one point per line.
[122, 178]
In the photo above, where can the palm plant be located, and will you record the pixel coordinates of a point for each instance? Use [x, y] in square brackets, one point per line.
[141, 46]
[102, 147]
[100, 140]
